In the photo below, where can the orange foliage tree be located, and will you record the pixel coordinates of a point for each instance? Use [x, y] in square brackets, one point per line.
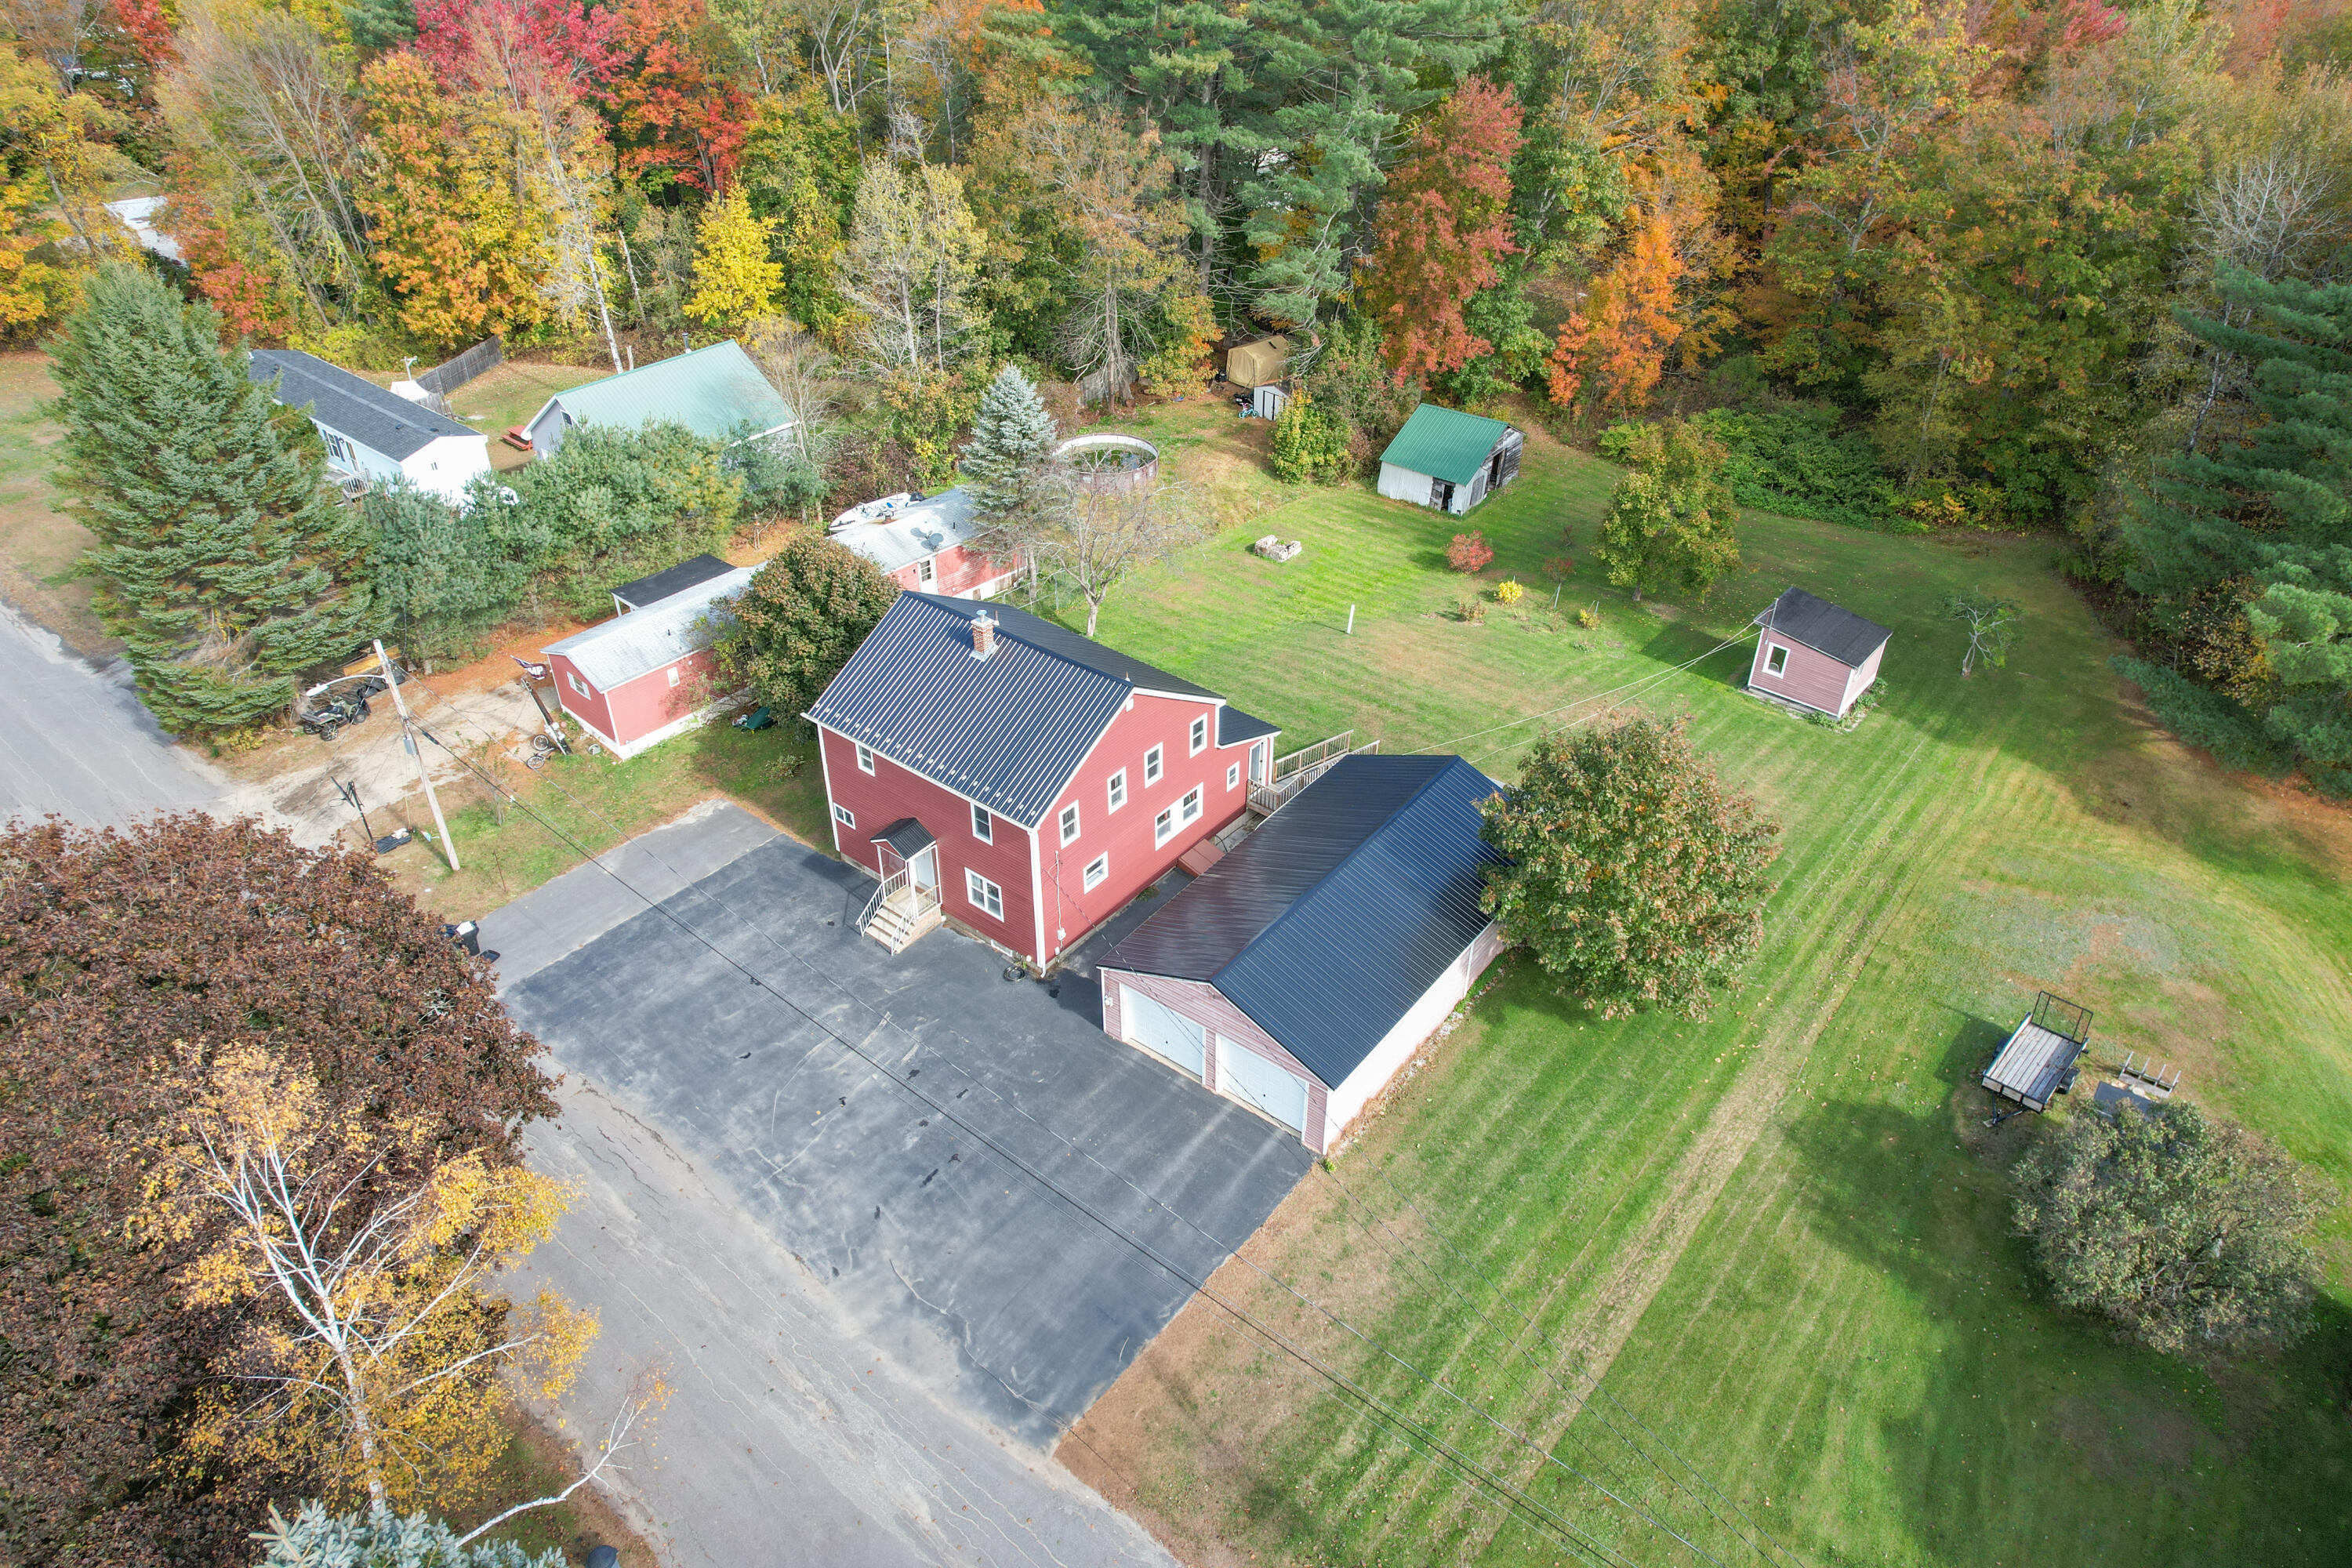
[1613, 349]
[1443, 223]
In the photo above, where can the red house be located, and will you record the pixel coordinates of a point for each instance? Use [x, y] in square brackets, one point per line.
[994, 769]
[1815, 655]
[640, 677]
[926, 545]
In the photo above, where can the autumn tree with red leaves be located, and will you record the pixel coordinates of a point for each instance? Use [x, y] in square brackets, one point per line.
[130, 962]
[678, 116]
[1443, 223]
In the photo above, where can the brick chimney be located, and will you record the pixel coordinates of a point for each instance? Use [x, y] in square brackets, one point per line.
[984, 635]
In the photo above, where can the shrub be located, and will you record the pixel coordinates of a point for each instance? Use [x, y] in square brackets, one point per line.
[2209, 719]
[1630, 872]
[2183, 1230]
[1589, 616]
[1310, 445]
[1795, 462]
[1507, 592]
[1469, 551]
[1672, 520]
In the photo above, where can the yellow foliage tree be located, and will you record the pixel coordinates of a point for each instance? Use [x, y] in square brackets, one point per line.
[55, 164]
[735, 279]
[375, 1346]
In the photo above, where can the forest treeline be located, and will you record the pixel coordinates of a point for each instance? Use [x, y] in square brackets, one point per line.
[1919, 265]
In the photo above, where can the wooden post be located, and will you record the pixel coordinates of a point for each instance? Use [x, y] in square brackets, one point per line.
[408, 732]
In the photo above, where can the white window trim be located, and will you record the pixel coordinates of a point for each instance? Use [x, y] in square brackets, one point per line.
[673, 675]
[864, 756]
[844, 817]
[1155, 765]
[1069, 823]
[1197, 737]
[578, 685]
[1163, 827]
[1097, 873]
[983, 895]
[983, 825]
[1189, 806]
[1233, 775]
[925, 574]
[1114, 790]
[1776, 651]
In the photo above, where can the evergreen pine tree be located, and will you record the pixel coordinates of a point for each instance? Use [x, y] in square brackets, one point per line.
[1012, 437]
[224, 565]
[2267, 523]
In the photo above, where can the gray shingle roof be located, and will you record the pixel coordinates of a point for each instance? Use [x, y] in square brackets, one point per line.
[1823, 627]
[1007, 730]
[352, 406]
[1329, 923]
[691, 572]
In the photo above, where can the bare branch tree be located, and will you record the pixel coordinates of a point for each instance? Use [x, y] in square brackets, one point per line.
[1993, 626]
[1097, 531]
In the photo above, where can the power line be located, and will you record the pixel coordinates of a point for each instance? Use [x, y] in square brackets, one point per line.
[1520, 1506]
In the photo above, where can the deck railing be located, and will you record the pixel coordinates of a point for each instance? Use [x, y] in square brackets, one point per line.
[1296, 770]
[896, 881]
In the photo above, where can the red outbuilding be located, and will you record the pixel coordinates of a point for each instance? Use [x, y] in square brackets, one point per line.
[997, 770]
[929, 544]
[640, 677]
[1815, 655]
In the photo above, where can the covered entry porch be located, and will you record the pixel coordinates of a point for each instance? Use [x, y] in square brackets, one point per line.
[907, 904]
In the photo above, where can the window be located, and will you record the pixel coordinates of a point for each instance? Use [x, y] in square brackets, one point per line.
[864, 758]
[577, 684]
[1070, 823]
[984, 826]
[984, 894]
[1777, 661]
[1189, 806]
[1098, 871]
[1118, 789]
[924, 573]
[673, 675]
[1162, 825]
[1199, 735]
[1152, 766]
[844, 817]
[1233, 775]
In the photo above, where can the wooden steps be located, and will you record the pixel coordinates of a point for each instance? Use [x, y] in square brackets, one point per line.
[898, 920]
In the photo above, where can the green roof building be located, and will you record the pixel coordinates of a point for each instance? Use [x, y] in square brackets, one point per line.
[716, 391]
[1449, 459]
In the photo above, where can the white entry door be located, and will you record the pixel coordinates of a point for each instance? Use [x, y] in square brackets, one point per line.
[923, 870]
[1162, 1030]
[1277, 1090]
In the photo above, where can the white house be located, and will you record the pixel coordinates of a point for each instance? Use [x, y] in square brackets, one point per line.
[372, 434]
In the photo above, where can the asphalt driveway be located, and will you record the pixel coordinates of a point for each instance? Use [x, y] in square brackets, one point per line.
[979, 1280]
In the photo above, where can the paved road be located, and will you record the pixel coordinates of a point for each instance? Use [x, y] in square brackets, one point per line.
[985, 1312]
[76, 744]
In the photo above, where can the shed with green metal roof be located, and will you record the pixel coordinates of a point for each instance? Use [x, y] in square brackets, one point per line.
[716, 391]
[1449, 460]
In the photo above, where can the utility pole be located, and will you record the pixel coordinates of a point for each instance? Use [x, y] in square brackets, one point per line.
[408, 733]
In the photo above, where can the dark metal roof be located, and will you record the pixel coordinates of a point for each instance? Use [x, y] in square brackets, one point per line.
[1823, 627]
[352, 406]
[906, 835]
[1007, 730]
[1329, 923]
[1233, 726]
[686, 574]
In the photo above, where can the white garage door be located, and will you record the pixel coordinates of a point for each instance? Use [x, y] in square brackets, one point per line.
[1162, 1030]
[1277, 1090]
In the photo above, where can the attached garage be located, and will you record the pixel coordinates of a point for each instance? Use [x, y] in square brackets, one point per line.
[1299, 974]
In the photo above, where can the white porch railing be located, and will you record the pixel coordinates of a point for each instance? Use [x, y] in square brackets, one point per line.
[1296, 770]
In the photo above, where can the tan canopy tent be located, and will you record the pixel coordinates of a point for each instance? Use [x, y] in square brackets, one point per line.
[1260, 363]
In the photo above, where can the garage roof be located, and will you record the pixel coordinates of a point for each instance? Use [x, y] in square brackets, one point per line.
[352, 406]
[1329, 923]
[1007, 730]
[1823, 627]
[1445, 443]
[613, 652]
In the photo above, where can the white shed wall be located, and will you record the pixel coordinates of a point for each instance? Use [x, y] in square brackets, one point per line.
[1403, 484]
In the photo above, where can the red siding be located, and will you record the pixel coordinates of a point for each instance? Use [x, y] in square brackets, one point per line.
[890, 792]
[1814, 679]
[957, 573]
[635, 708]
[1126, 834]
[1229, 1029]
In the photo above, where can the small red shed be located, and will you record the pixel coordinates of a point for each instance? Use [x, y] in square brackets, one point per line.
[928, 544]
[994, 769]
[1815, 655]
[640, 677]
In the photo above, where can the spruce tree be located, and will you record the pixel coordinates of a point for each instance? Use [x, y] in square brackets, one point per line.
[224, 565]
[2267, 523]
[1013, 437]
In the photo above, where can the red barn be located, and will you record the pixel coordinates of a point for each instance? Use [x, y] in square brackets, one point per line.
[640, 677]
[926, 545]
[1025, 782]
[1815, 655]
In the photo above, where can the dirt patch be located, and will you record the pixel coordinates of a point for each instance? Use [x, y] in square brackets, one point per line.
[40, 547]
[539, 1462]
[2119, 1440]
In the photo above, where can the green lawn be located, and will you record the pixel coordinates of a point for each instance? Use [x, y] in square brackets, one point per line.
[1783, 1231]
